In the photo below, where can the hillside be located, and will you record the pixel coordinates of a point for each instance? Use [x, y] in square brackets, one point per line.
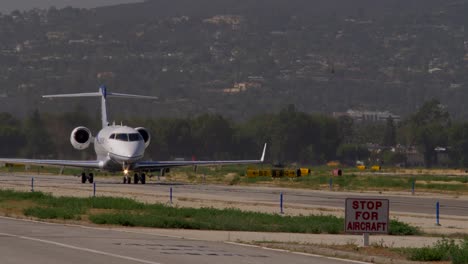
[240, 58]
[10, 5]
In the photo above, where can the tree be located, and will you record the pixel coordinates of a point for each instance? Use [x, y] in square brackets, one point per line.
[458, 144]
[61, 127]
[213, 135]
[350, 153]
[300, 137]
[345, 127]
[11, 136]
[368, 132]
[393, 158]
[252, 134]
[38, 142]
[389, 138]
[429, 129]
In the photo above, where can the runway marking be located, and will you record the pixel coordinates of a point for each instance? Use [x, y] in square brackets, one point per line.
[80, 248]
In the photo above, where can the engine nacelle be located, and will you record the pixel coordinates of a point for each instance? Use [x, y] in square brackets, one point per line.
[81, 137]
[145, 135]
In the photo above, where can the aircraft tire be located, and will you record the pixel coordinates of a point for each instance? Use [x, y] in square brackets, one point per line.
[129, 179]
[143, 178]
[83, 177]
[135, 178]
[124, 179]
[91, 178]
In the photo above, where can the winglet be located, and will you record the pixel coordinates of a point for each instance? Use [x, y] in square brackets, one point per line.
[263, 153]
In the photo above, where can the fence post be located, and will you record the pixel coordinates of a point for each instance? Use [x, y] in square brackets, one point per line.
[170, 195]
[94, 189]
[32, 184]
[413, 185]
[281, 203]
[437, 213]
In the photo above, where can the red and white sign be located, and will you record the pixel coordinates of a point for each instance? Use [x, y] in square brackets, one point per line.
[366, 215]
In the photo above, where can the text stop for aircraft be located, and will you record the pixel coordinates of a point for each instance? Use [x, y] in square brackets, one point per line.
[366, 215]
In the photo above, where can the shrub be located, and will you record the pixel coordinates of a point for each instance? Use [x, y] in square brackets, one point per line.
[398, 228]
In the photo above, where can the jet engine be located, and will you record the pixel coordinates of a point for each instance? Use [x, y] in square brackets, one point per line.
[80, 138]
[144, 134]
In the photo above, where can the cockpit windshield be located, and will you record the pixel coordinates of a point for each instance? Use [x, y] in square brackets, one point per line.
[121, 137]
[127, 137]
[135, 137]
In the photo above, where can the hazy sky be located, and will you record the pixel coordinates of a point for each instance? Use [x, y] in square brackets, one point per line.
[7, 6]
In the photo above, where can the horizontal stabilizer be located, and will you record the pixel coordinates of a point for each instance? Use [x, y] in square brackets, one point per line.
[98, 94]
[95, 94]
[121, 95]
[103, 94]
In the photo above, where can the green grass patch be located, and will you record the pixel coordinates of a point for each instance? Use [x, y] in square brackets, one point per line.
[313, 180]
[398, 228]
[54, 212]
[14, 195]
[114, 203]
[257, 179]
[443, 250]
[226, 219]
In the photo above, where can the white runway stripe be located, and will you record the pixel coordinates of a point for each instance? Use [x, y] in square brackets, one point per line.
[80, 248]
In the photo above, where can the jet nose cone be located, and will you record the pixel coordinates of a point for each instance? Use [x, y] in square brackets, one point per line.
[132, 151]
[129, 153]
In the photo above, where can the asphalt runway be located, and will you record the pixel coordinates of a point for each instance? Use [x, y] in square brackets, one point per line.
[254, 195]
[23, 241]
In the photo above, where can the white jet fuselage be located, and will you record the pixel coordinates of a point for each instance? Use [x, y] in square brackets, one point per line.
[119, 147]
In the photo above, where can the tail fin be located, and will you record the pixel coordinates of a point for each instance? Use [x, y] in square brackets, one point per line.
[103, 94]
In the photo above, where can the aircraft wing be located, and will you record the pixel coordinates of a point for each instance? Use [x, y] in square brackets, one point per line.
[150, 165]
[91, 164]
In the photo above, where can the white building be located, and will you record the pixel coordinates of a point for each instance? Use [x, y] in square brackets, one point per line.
[369, 116]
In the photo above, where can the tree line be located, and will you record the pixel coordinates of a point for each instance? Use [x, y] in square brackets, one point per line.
[293, 137]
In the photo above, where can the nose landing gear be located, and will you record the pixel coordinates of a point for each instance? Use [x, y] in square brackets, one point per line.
[127, 179]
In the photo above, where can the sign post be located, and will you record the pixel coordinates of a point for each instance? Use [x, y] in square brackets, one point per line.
[366, 216]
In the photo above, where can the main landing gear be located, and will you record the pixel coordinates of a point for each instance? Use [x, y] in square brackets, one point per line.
[137, 177]
[89, 177]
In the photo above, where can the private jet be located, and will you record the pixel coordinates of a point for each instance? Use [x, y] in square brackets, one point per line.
[117, 147]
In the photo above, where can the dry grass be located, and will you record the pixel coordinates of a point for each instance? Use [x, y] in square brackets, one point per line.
[374, 253]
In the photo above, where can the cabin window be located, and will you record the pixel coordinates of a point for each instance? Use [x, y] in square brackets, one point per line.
[112, 136]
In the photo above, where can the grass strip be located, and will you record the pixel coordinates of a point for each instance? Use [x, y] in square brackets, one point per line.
[128, 212]
[234, 220]
[162, 216]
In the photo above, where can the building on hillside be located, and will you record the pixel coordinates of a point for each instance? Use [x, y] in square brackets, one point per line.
[242, 87]
[368, 116]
